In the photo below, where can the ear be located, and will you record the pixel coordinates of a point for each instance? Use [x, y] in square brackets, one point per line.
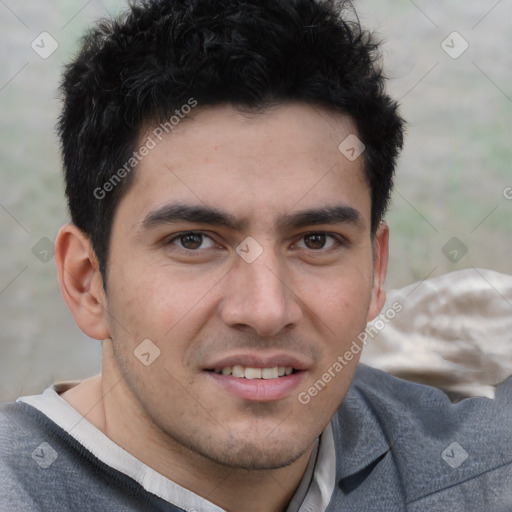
[380, 266]
[80, 281]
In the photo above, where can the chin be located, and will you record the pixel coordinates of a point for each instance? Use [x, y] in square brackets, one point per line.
[251, 450]
[254, 457]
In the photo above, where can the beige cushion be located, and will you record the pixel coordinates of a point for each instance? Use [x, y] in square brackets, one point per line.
[454, 332]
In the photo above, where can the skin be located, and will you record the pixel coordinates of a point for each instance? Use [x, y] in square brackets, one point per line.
[308, 297]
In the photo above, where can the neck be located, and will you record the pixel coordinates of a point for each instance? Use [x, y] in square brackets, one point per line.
[107, 403]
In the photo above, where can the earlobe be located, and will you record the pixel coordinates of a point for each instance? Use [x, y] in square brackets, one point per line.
[80, 281]
[380, 265]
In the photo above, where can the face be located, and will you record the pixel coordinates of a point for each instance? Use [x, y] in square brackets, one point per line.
[243, 252]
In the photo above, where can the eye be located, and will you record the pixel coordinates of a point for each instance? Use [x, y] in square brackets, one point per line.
[318, 241]
[191, 241]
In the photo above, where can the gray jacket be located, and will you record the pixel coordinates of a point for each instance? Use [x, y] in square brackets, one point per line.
[399, 447]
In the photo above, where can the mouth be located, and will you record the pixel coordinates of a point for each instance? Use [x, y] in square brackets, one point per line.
[249, 372]
[251, 377]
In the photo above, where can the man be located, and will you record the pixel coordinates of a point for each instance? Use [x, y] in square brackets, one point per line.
[228, 165]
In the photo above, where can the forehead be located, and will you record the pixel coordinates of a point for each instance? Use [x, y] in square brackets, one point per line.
[253, 164]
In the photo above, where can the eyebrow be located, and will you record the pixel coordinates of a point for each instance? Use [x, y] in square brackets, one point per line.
[181, 212]
[338, 214]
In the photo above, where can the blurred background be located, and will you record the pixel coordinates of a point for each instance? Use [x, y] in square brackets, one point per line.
[448, 63]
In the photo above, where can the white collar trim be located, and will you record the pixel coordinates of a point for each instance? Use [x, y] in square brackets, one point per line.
[103, 448]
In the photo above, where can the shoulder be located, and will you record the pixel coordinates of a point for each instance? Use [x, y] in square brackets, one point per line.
[43, 467]
[20, 427]
[20, 437]
[435, 444]
[390, 398]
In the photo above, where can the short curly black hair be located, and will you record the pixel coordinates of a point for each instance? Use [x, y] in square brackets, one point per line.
[149, 63]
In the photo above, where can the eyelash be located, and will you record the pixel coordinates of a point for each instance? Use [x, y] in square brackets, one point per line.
[339, 239]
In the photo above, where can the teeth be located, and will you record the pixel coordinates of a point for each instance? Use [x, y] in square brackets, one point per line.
[256, 373]
[270, 373]
[252, 373]
[237, 371]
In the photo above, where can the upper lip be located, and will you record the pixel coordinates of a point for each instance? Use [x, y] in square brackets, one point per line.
[260, 360]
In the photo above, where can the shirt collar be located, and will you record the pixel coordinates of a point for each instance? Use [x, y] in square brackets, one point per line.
[317, 485]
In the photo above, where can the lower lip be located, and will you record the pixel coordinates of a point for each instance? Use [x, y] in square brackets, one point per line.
[259, 390]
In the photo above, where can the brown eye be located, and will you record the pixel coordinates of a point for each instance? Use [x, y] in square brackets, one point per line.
[319, 241]
[191, 240]
[315, 240]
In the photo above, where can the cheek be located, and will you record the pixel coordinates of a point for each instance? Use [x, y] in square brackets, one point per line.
[340, 298]
[339, 311]
[160, 302]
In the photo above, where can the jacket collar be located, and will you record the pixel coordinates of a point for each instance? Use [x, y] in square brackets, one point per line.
[360, 439]
[434, 443]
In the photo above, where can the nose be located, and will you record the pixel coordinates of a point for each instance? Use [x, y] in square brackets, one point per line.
[260, 296]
